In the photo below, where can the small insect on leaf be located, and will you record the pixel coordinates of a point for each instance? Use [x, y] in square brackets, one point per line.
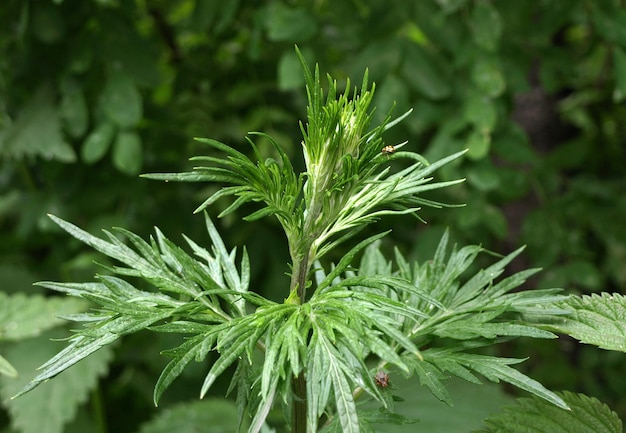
[388, 150]
[382, 379]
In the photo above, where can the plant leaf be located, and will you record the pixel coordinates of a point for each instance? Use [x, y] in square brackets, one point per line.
[240, 337]
[496, 369]
[24, 316]
[214, 414]
[82, 346]
[196, 348]
[599, 319]
[430, 376]
[37, 131]
[345, 262]
[535, 415]
[74, 385]
[6, 368]
[346, 408]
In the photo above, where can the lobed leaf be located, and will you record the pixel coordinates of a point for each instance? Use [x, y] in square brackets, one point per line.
[240, 335]
[345, 261]
[151, 267]
[496, 369]
[431, 377]
[344, 401]
[196, 348]
[318, 381]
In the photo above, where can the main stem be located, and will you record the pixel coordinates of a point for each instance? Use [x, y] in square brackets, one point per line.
[302, 253]
[298, 420]
[299, 407]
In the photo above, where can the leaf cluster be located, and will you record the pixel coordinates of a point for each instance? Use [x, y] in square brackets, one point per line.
[344, 186]
[423, 319]
[152, 84]
[420, 319]
[125, 309]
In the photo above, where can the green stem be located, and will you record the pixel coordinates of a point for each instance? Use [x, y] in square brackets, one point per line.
[302, 254]
[301, 279]
[299, 274]
[299, 405]
[98, 412]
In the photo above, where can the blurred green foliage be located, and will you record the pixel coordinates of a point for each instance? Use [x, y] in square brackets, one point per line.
[93, 93]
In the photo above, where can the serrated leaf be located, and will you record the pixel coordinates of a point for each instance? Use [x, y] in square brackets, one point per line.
[258, 422]
[73, 385]
[227, 260]
[485, 277]
[240, 382]
[82, 346]
[597, 319]
[214, 415]
[537, 416]
[467, 329]
[119, 252]
[155, 272]
[448, 364]
[125, 309]
[37, 131]
[24, 316]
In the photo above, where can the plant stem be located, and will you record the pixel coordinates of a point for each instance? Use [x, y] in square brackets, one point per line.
[98, 411]
[299, 282]
[298, 421]
[301, 275]
[302, 254]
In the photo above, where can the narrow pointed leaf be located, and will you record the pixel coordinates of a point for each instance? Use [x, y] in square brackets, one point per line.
[195, 348]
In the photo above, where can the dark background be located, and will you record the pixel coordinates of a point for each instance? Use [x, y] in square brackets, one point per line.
[93, 93]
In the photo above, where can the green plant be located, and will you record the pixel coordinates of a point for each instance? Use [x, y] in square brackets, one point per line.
[342, 329]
